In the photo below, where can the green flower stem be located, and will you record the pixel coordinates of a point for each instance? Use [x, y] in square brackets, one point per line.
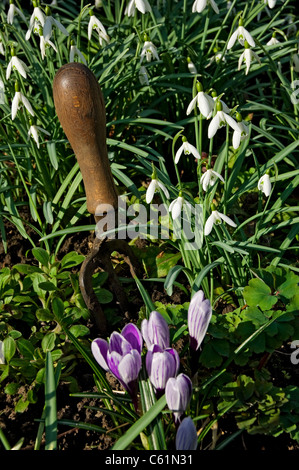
[226, 168]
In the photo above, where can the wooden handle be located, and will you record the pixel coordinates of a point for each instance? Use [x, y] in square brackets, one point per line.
[80, 109]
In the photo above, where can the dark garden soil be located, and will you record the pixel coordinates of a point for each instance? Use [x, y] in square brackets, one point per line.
[25, 425]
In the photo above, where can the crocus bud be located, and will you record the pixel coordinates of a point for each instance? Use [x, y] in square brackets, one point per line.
[186, 437]
[161, 365]
[155, 331]
[178, 394]
[199, 316]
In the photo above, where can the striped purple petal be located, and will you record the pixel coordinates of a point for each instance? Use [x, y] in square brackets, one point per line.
[199, 316]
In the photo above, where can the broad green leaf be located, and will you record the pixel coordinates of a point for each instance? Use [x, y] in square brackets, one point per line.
[258, 294]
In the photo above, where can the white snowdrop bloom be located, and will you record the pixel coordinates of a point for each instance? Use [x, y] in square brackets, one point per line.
[44, 45]
[49, 23]
[143, 76]
[199, 5]
[152, 188]
[149, 51]
[204, 102]
[273, 40]
[17, 64]
[247, 56]
[271, 3]
[242, 35]
[191, 67]
[17, 101]
[295, 62]
[219, 120]
[34, 132]
[12, 11]
[187, 149]
[217, 99]
[264, 184]
[37, 19]
[95, 23]
[74, 52]
[240, 135]
[2, 51]
[209, 178]
[177, 205]
[142, 5]
[215, 219]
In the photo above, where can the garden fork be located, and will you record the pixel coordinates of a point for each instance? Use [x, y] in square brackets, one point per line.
[80, 109]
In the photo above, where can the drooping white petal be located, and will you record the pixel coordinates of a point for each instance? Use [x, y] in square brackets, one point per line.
[214, 6]
[192, 105]
[231, 122]
[227, 219]
[248, 37]
[8, 70]
[236, 139]
[176, 207]
[264, 185]
[15, 104]
[209, 224]
[213, 126]
[27, 105]
[232, 40]
[240, 61]
[205, 104]
[164, 189]
[151, 191]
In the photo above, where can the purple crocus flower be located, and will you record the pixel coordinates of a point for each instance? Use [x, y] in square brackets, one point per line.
[178, 394]
[155, 331]
[199, 316]
[186, 436]
[121, 356]
[161, 364]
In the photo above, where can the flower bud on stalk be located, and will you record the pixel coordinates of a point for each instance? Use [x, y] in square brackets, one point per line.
[178, 394]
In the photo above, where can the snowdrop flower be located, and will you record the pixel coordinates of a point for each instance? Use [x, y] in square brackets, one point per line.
[191, 66]
[16, 63]
[199, 5]
[264, 184]
[2, 51]
[34, 131]
[217, 98]
[177, 205]
[187, 149]
[215, 219]
[149, 51]
[273, 40]
[19, 99]
[248, 55]
[219, 56]
[271, 3]
[186, 437]
[12, 11]
[204, 102]
[242, 133]
[242, 35]
[154, 185]
[199, 317]
[209, 178]
[142, 5]
[74, 52]
[49, 23]
[94, 23]
[43, 44]
[1, 92]
[295, 62]
[219, 120]
[37, 19]
[143, 76]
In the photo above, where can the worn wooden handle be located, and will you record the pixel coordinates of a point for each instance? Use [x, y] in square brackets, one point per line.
[80, 109]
